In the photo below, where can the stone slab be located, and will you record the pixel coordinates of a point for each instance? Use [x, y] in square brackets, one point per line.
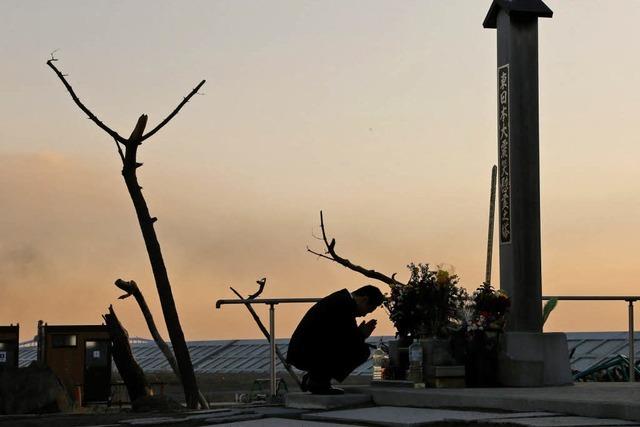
[446, 382]
[391, 383]
[316, 401]
[269, 411]
[598, 400]
[153, 421]
[211, 414]
[508, 415]
[216, 417]
[445, 371]
[233, 419]
[283, 422]
[521, 359]
[557, 368]
[563, 421]
[530, 359]
[208, 411]
[399, 416]
[277, 411]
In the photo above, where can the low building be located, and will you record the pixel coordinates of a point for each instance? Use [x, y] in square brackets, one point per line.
[9, 346]
[80, 356]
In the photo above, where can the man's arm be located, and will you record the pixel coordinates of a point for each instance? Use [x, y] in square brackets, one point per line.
[366, 328]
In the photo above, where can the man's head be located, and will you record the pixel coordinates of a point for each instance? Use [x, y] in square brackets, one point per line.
[367, 299]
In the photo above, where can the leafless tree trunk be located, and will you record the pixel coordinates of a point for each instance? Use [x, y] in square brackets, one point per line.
[131, 288]
[331, 255]
[131, 373]
[130, 165]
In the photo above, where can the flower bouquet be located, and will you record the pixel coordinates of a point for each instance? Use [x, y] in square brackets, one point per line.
[428, 305]
[486, 316]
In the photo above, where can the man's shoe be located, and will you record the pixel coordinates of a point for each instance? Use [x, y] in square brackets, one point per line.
[326, 391]
[304, 384]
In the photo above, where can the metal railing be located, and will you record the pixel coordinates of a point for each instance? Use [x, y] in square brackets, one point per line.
[271, 302]
[630, 300]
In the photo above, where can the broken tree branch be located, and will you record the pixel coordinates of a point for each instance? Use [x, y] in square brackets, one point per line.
[255, 316]
[131, 289]
[333, 256]
[261, 284]
[320, 255]
[79, 103]
[131, 373]
[173, 113]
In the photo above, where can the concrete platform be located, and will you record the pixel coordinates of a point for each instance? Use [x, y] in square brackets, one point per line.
[411, 417]
[215, 416]
[317, 401]
[283, 422]
[599, 400]
[563, 422]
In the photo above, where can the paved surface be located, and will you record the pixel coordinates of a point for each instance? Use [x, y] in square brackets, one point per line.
[600, 400]
[582, 405]
[282, 422]
[315, 401]
[392, 416]
[410, 417]
[565, 422]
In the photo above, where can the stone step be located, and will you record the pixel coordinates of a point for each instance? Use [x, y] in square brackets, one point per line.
[319, 401]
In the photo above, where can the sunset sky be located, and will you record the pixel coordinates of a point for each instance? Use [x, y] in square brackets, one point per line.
[380, 113]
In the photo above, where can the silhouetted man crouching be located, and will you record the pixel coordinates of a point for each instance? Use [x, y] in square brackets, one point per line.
[328, 343]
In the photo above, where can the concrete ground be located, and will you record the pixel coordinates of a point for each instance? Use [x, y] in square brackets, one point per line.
[603, 400]
[581, 405]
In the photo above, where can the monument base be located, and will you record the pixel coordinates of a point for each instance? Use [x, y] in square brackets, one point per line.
[532, 359]
[444, 376]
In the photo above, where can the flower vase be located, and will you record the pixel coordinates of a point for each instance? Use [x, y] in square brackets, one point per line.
[437, 351]
[398, 358]
[481, 366]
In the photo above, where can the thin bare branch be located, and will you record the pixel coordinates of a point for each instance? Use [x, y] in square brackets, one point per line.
[315, 237]
[261, 284]
[320, 255]
[173, 113]
[372, 274]
[79, 103]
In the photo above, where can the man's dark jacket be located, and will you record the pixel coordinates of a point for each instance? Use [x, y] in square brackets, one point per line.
[328, 339]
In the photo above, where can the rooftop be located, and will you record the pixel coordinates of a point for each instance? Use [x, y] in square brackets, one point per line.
[586, 349]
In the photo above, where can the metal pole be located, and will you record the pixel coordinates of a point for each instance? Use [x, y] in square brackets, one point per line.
[272, 355]
[632, 353]
[492, 214]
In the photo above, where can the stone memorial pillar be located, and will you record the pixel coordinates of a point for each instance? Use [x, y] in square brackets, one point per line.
[528, 357]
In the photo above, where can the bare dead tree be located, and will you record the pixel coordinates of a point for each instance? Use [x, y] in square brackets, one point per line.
[131, 289]
[146, 221]
[131, 373]
[255, 316]
[331, 255]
